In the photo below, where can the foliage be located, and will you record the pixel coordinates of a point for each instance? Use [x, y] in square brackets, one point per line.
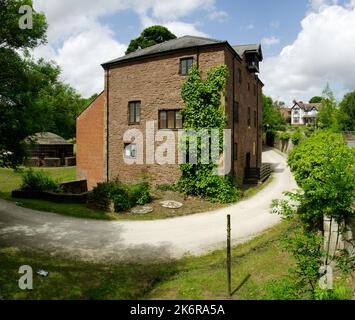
[327, 116]
[341, 291]
[11, 36]
[297, 137]
[166, 187]
[346, 114]
[316, 99]
[203, 111]
[322, 166]
[32, 98]
[272, 118]
[149, 37]
[39, 181]
[123, 196]
[284, 136]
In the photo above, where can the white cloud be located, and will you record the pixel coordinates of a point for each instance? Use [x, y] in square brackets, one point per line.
[79, 43]
[219, 16]
[270, 41]
[323, 52]
[320, 4]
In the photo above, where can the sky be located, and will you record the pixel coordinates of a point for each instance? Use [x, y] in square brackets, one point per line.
[306, 43]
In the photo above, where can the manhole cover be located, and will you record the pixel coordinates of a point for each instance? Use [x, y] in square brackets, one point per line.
[142, 210]
[171, 204]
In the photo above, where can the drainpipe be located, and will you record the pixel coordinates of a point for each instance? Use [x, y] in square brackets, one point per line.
[107, 123]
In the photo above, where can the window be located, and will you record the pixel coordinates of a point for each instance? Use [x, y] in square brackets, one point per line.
[249, 117]
[236, 112]
[185, 65]
[255, 119]
[130, 150]
[239, 76]
[235, 152]
[296, 120]
[134, 112]
[170, 119]
[255, 90]
[248, 86]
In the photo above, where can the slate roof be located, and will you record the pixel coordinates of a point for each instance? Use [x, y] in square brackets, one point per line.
[47, 138]
[184, 42]
[308, 106]
[241, 49]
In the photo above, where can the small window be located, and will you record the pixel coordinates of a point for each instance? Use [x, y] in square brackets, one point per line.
[255, 90]
[255, 119]
[235, 152]
[239, 76]
[134, 112]
[170, 119]
[130, 150]
[185, 65]
[248, 86]
[249, 117]
[236, 112]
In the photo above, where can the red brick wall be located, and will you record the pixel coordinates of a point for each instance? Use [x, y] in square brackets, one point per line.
[245, 136]
[157, 84]
[90, 132]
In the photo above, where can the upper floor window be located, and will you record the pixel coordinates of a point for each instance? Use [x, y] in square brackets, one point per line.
[236, 112]
[185, 65]
[255, 119]
[134, 112]
[249, 117]
[239, 75]
[255, 90]
[170, 119]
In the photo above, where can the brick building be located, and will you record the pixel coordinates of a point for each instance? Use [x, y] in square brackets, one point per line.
[146, 86]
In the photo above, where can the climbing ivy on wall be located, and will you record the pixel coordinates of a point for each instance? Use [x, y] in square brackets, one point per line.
[204, 110]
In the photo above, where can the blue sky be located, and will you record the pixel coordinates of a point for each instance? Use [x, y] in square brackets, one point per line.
[306, 43]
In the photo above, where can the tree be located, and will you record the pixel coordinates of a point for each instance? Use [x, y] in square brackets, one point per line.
[272, 118]
[20, 80]
[149, 37]
[346, 114]
[203, 111]
[316, 99]
[327, 116]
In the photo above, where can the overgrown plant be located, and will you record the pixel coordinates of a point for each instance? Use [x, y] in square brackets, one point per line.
[123, 196]
[203, 111]
[323, 168]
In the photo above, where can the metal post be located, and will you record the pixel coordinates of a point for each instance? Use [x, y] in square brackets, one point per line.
[229, 260]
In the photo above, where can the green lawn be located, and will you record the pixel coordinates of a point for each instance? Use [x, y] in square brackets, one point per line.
[189, 278]
[10, 180]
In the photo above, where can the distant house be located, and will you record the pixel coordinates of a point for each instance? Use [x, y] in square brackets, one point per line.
[304, 113]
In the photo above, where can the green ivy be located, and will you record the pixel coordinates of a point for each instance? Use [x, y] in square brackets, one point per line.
[203, 110]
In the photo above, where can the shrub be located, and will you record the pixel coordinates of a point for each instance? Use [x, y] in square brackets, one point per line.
[39, 181]
[124, 196]
[297, 137]
[283, 136]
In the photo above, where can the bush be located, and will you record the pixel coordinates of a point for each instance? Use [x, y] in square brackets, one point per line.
[39, 181]
[296, 138]
[124, 196]
[283, 136]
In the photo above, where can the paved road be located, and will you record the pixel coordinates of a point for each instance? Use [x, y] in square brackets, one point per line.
[134, 240]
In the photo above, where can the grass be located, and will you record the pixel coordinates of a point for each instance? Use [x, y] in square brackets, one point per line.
[10, 180]
[190, 278]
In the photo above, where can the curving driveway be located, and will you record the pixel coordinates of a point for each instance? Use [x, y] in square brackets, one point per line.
[144, 240]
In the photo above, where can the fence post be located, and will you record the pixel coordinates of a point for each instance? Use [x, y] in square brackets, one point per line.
[229, 260]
